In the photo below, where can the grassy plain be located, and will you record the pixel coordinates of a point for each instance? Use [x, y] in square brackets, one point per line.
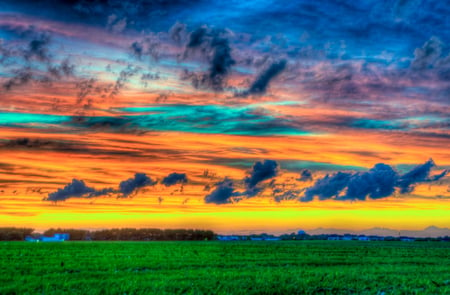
[275, 267]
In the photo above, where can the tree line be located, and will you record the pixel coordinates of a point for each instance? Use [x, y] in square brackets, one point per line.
[114, 234]
[14, 233]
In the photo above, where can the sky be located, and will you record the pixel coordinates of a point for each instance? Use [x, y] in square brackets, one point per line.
[235, 116]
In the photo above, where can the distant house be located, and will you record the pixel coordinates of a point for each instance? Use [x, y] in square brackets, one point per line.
[363, 238]
[347, 238]
[407, 239]
[59, 237]
[334, 238]
[228, 238]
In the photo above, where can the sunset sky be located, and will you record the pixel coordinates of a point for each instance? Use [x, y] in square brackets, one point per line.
[235, 116]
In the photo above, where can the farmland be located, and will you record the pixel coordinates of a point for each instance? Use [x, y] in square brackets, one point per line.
[283, 267]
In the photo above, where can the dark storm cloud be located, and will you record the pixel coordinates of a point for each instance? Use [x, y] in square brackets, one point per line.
[420, 173]
[379, 182]
[261, 171]
[221, 62]
[439, 176]
[259, 86]
[215, 46]
[305, 175]
[76, 189]
[223, 193]
[38, 47]
[129, 186]
[327, 187]
[174, 178]
[198, 37]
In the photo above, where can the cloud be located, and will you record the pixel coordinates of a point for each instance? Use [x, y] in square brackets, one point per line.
[20, 77]
[223, 193]
[38, 47]
[147, 47]
[124, 77]
[214, 45]
[27, 74]
[122, 124]
[32, 63]
[177, 32]
[327, 187]
[137, 50]
[305, 175]
[427, 56]
[198, 37]
[259, 86]
[221, 62]
[420, 173]
[65, 69]
[379, 182]
[76, 189]
[38, 143]
[116, 24]
[90, 88]
[439, 176]
[129, 186]
[174, 178]
[261, 171]
[64, 146]
[291, 194]
[429, 59]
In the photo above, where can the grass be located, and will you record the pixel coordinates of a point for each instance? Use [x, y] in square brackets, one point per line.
[283, 267]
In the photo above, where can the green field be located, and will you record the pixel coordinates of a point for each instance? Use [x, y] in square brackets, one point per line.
[281, 267]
